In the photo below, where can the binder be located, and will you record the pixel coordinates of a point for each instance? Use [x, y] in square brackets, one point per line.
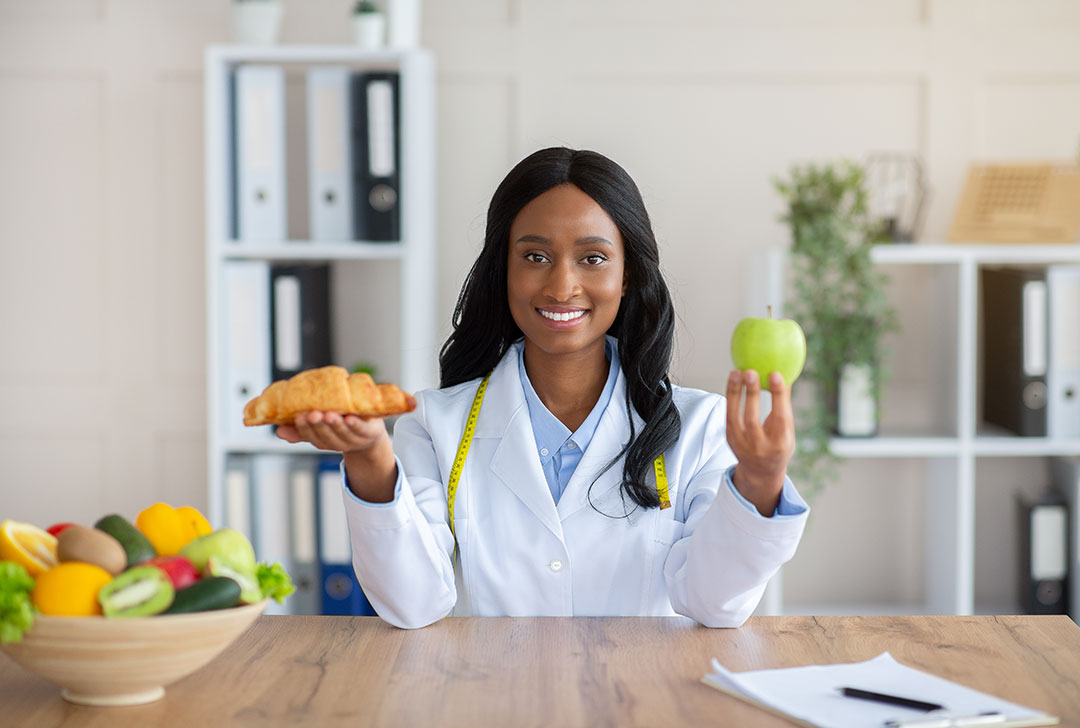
[1015, 349]
[1044, 550]
[246, 343]
[340, 590]
[259, 197]
[237, 495]
[270, 516]
[1065, 478]
[304, 560]
[1063, 373]
[330, 184]
[299, 318]
[376, 156]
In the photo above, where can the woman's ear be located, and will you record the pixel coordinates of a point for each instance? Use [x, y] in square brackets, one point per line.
[625, 282]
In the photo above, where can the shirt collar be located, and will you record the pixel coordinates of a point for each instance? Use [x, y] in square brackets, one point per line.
[550, 433]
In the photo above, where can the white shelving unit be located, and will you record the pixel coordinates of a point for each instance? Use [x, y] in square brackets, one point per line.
[951, 454]
[411, 309]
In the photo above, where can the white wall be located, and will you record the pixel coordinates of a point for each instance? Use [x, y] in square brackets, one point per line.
[101, 281]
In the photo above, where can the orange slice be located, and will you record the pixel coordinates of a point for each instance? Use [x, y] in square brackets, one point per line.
[26, 544]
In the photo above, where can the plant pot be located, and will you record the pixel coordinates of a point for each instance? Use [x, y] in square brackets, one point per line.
[256, 21]
[369, 30]
[856, 402]
[403, 23]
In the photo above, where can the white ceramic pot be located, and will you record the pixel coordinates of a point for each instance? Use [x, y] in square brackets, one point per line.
[856, 404]
[369, 30]
[404, 23]
[256, 21]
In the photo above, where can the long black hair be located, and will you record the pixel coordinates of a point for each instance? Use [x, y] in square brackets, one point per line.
[644, 327]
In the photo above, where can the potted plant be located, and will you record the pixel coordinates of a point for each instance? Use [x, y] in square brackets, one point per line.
[369, 25]
[838, 298]
[256, 21]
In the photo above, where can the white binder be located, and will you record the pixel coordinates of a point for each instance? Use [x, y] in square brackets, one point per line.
[330, 187]
[335, 546]
[304, 561]
[260, 153]
[1063, 373]
[237, 487]
[1065, 476]
[271, 521]
[246, 343]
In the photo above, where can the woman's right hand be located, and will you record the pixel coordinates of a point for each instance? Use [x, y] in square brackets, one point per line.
[333, 431]
[364, 442]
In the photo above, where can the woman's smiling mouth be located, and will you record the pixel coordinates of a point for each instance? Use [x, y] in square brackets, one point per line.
[562, 316]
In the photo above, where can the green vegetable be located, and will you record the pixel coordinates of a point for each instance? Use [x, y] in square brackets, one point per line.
[210, 592]
[16, 610]
[137, 546]
[274, 581]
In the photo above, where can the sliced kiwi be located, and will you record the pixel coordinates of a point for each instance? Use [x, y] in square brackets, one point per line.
[138, 592]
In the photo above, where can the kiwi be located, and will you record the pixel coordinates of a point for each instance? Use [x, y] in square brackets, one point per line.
[92, 546]
[138, 592]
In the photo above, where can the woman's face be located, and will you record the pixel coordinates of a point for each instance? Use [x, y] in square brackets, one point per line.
[565, 274]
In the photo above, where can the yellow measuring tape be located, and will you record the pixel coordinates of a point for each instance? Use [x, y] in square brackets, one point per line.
[466, 441]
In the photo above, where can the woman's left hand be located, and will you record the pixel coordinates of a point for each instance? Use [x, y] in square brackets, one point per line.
[763, 449]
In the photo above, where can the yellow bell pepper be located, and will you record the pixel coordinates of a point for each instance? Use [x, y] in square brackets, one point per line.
[198, 520]
[168, 529]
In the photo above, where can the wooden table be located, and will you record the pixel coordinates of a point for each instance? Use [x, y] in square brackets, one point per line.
[357, 671]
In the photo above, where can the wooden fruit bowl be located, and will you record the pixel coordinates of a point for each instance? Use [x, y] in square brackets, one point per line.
[99, 661]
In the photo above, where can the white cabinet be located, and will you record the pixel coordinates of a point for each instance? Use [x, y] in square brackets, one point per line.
[932, 413]
[384, 293]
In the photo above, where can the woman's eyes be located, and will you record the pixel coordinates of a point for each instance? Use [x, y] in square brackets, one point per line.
[591, 259]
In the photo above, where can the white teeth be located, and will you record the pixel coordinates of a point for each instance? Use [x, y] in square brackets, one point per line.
[561, 316]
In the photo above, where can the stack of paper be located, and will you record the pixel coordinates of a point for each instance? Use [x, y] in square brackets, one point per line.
[811, 695]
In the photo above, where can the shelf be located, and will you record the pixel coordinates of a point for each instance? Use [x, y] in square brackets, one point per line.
[275, 446]
[308, 250]
[306, 53]
[894, 447]
[1011, 446]
[988, 253]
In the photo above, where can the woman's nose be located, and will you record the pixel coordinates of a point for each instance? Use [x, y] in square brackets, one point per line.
[562, 283]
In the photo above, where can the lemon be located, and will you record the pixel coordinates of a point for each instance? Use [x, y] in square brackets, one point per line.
[26, 544]
[70, 589]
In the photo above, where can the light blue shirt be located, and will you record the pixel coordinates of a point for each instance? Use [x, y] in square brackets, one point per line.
[560, 450]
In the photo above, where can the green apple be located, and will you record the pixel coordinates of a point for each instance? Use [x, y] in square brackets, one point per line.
[231, 548]
[769, 345]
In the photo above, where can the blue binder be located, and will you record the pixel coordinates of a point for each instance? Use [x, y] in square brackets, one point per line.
[340, 592]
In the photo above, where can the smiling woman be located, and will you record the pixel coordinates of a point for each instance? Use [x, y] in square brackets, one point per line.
[558, 471]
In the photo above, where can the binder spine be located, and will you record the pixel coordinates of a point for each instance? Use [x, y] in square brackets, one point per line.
[376, 156]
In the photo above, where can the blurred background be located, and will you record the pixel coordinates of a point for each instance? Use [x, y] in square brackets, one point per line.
[704, 102]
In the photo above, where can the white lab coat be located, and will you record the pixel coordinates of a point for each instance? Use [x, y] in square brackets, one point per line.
[707, 557]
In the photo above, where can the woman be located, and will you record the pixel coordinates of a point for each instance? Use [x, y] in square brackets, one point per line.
[563, 453]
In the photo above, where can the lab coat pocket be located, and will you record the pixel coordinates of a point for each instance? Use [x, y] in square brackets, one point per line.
[665, 532]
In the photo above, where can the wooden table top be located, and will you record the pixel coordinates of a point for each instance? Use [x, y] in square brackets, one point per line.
[358, 671]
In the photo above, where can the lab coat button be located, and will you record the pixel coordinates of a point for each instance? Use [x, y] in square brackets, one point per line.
[555, 565]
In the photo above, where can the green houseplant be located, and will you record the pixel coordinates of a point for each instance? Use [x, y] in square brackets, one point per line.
[837, 296]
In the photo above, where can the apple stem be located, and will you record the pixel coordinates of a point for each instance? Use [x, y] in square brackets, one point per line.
[770, 311]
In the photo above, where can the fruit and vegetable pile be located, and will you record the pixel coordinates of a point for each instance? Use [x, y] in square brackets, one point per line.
[169, 561]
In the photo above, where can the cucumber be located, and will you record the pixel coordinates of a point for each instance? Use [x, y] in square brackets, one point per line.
[210, 592]
[137, 546]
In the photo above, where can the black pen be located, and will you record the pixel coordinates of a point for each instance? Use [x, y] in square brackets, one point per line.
[890, 699]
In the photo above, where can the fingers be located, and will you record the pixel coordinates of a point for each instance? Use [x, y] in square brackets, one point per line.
[333, 431]
[752, 411]
[734, 403]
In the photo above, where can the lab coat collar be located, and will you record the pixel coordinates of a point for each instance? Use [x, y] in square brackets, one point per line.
[505, 415]
[517, 464]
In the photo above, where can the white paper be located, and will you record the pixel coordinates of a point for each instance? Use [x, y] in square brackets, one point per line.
[812, 693]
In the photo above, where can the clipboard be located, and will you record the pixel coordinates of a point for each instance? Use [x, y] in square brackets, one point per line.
[809, 696]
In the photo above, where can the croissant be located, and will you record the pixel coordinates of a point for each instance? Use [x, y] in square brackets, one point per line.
[327, 389]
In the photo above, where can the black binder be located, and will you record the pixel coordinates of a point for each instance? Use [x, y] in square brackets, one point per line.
[299, 318]
[1015, 351]
[1044, 586]
[376, 123]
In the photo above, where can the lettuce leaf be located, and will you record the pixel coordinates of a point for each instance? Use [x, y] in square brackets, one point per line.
[16, 610]
[274, 581]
